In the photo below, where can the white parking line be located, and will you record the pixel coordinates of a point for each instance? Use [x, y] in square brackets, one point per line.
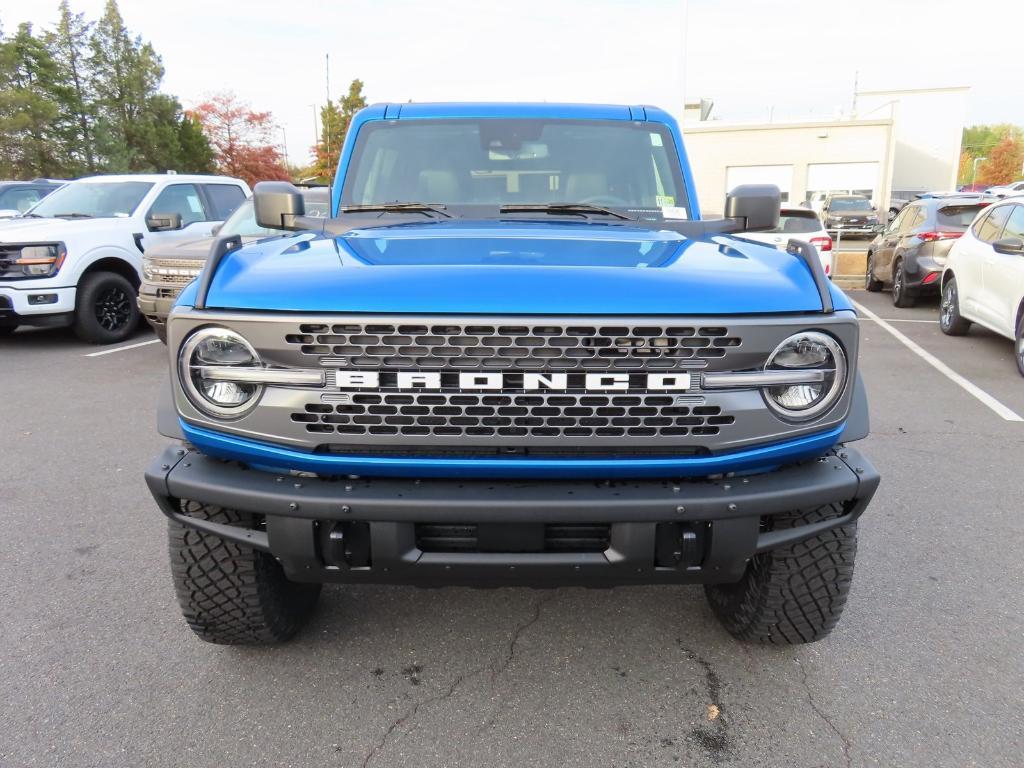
[972, 389]
[121, 349]
[902, 320]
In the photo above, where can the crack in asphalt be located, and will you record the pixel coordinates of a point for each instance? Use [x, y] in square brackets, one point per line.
[715, 738]
[847, 745]
[496, 672]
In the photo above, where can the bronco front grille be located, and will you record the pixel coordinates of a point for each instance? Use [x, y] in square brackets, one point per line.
[540, 414]
[513, 347]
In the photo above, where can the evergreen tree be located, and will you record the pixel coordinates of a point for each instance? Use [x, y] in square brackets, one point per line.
[28, 107]
[335, 119]
[68, 45]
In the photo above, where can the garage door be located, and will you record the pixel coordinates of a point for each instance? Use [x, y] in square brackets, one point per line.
[850, 178]
[779, 175]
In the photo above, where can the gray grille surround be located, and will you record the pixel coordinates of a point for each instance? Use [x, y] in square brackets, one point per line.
[328, 417]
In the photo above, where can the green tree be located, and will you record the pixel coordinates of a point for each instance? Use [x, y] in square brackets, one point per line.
[980, 141]
[126, 75]
[335, 119]
[28, 106]
[196, 153]
[68, 45]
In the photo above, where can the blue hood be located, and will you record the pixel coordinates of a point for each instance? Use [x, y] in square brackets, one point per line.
[501, 267]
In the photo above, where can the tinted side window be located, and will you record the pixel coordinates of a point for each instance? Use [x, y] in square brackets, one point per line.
[182, 199]
[224, 198]
[988, 228]
[897, 223]
[1015, 223]
[911, 219]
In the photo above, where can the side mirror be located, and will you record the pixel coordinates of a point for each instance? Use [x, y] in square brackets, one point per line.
[756, 205]
[277, 205]
[215, 230]
[163, 222]
[1011, 246]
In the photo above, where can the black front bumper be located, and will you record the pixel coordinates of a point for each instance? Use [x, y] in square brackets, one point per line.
[371, 529]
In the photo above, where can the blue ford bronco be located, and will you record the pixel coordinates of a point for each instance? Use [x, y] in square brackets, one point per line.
[514, 354]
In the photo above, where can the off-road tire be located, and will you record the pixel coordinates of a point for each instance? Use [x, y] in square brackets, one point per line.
[901, 294]
[793, 594]
[871, 283]
[230, 593]
[951, 322]
[95, 323]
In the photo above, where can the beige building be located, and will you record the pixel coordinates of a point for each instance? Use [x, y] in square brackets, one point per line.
[900, 141]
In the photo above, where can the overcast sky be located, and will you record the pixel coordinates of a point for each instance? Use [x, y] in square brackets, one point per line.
[790, 58]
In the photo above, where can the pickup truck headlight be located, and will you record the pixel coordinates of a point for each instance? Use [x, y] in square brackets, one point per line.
[32, 261]
[205, 357]
[809, 351]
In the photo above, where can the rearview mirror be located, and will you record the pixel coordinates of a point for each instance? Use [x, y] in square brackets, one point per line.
[757, 205]
[163, 222]
[1011, 246]
[277, 205]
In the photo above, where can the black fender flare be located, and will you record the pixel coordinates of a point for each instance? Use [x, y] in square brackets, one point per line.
[858, 422]
[167, 423]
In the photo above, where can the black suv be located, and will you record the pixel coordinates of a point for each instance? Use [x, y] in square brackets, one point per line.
[911, 253]
[849, 214]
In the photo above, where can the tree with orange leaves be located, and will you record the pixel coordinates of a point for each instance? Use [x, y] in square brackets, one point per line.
[241, 138]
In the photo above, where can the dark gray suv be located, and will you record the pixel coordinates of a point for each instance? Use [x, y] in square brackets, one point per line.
[910, 253]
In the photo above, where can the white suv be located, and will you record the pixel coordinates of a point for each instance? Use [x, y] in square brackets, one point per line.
[75, 258]
[983, 281]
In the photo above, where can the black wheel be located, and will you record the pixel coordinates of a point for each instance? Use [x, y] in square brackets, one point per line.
[871, 283]
[793, 594]
[950, 321]
[7, 330]
[901, 295]
[229, 593]
[105, 308]
[1019, 345]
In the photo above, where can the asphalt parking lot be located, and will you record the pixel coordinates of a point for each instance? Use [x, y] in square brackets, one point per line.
[925, 669]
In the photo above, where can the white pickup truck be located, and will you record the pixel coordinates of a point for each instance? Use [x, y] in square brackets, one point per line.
[75, 258]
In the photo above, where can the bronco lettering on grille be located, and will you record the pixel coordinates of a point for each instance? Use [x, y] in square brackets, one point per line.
[419, 380]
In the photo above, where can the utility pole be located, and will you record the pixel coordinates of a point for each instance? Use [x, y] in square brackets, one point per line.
[327, 122]
[284, 144]
[853, 109]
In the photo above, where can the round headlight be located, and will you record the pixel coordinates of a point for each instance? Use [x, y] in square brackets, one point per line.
[212, 351]
[813, 352]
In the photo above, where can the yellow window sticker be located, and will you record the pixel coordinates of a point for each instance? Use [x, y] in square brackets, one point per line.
[663, 201]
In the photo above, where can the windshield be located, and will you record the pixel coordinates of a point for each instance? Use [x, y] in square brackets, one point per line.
[798, 222]
[99, 200]
[488, 163]
[849, 204]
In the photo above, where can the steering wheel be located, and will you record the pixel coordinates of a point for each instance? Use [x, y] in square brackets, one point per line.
[605, 200]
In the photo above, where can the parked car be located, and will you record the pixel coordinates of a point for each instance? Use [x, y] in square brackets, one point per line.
[983, 281]
[1007, 190]
[166, 269]
[16, 197]
[973, 187]
[849, 215]
[911, 253]
[75, 257]
[485, 370]
[802, 224]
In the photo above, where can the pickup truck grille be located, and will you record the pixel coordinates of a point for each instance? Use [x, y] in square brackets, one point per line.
[174, 272]
[513, 347]
[511, 416]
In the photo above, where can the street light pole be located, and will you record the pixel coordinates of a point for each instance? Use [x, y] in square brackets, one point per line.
[974, 169]
[284, 144]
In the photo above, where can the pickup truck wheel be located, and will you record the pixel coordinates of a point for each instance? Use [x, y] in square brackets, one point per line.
[229, 593]
[871, 283]
[105, 308]
[793, 594]
[951, 322]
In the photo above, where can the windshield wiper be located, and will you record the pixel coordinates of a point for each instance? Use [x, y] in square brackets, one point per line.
[397, 208]
[570, 208]
[73, 216]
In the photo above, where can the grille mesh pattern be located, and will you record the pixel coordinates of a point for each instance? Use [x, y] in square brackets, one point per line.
[534, 415]
[514, 347]
[184, 268]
